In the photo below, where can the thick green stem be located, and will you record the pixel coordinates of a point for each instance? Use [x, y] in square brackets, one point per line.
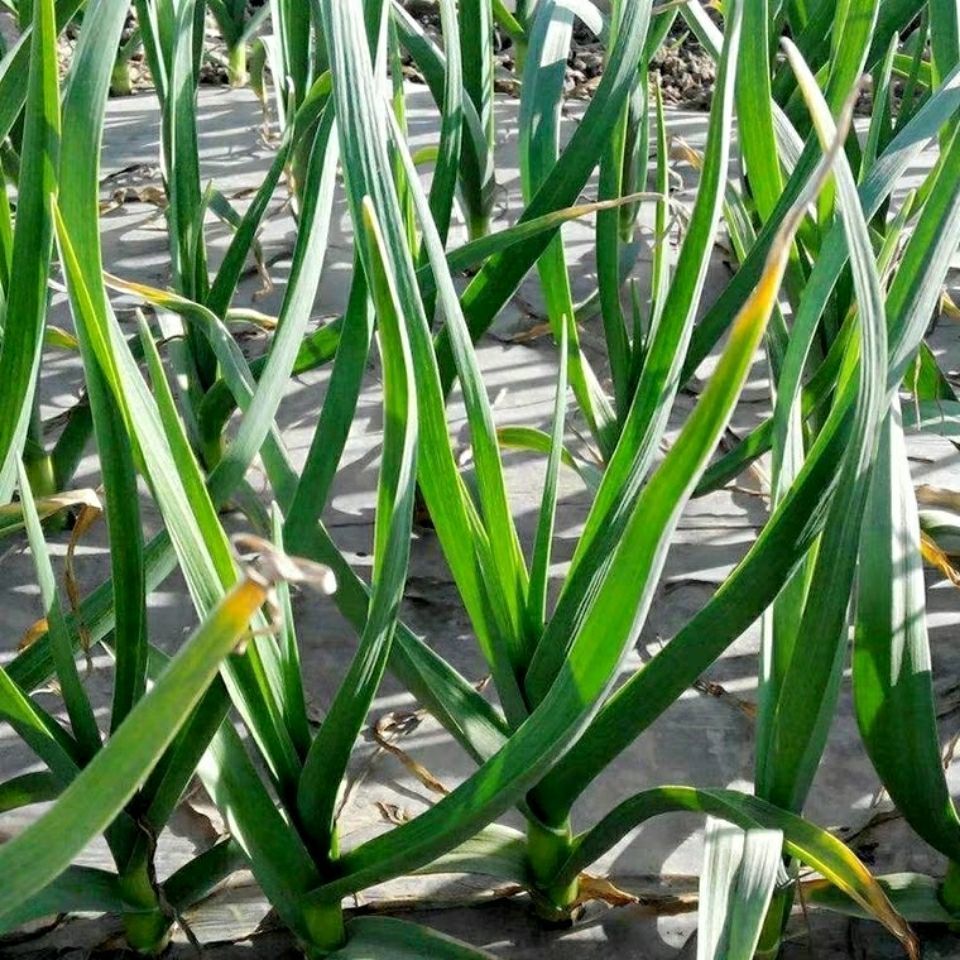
[121, 84]
[478, 225]
[950, 890]
[548, 848]
[325, 926]
[520, 48]
[778, 914]
[237, 65]
[41, 470]
[36, 460]
[41, 475]
[146, 924]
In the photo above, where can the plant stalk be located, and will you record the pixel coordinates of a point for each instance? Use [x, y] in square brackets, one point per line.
[325, 927]
[37, 460]
[237, 65]
[121, 84]
[146, 924]
[548, 848]
[950, 890]
[778, 913]
[40, 471]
